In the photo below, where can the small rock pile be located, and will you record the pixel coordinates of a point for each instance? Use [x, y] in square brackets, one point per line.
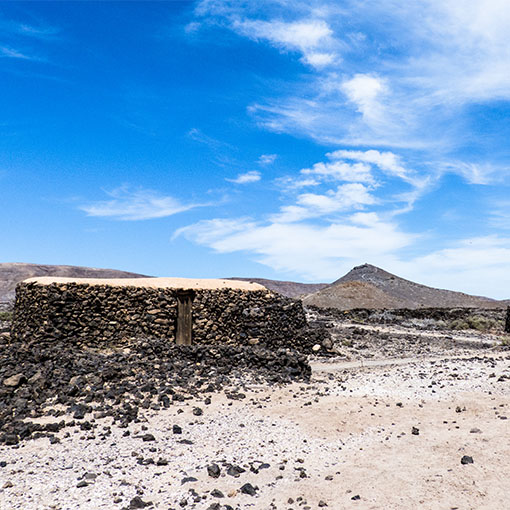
[58, 378]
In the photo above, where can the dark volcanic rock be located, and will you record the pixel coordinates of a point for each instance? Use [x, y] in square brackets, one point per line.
[249, 489]
[95, 315]
[214, 470]
[108, 379]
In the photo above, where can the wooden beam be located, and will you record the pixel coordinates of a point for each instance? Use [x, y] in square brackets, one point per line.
[184, 317]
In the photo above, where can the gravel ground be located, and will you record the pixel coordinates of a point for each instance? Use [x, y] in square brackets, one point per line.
[392, 435]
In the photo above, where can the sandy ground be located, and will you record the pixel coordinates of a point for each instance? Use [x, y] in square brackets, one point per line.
[157, 283]
[345, 440]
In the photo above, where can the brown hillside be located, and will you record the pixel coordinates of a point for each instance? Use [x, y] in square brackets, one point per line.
[289, 289]
[368, 286]
[12, 273]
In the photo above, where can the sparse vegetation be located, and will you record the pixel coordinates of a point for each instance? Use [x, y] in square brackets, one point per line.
[5, 316]
[476, 322]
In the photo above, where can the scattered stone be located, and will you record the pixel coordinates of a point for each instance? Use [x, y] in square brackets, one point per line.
[249, 489]
[148, 437]
[15, 380]
[235, 471]
[197, 411]
[137, 502]
[176, 429]
[214, 470]
[215, 493]
[466, 459]
[415, 431]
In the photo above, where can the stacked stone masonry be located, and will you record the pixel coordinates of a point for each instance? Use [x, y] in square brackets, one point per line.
[101, 314]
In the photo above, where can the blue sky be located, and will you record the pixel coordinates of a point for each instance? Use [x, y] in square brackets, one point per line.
[279, 139]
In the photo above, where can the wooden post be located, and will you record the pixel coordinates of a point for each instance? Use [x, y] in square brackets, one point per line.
[184, 317]
[507, 321]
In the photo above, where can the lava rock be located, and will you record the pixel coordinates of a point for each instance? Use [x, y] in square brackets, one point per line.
[15, 380]
[249, 489]
[214, 470]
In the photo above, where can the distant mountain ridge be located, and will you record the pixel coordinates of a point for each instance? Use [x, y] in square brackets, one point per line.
[13, 272]
[368, 286]
[365, 286]
[289, 289]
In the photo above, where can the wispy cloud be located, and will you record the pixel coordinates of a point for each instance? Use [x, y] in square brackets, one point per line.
[16, 35]
[366, 169]
[21, 29]
[315, 205]
[500, 215]
[7, 52]
[406, 82]
[267, 159]
[312, 38]
[213, 143]
[39, 31]
[246, 178]
[324, 252]
[140, 204]
[313, 251]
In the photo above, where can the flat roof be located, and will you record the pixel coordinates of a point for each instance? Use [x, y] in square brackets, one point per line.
[154, 283]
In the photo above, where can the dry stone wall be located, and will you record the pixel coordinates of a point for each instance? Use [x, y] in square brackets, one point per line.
[101, 314]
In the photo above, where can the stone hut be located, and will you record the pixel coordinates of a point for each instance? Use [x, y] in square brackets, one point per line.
[92, 311]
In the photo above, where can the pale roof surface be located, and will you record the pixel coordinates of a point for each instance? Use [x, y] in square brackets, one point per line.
[155, 283]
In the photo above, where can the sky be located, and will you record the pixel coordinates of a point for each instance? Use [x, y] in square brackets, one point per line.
[281, 139]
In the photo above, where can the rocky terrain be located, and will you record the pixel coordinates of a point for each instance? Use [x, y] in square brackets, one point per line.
[388, 414]
[368, 286]
[394, 408]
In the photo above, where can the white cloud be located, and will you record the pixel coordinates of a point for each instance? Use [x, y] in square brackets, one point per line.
[317, 59]
[267, 159]
[341, 171]
[347, 196]
[314, 205]
[384, 74]
[365, 92]
[246, 178]
[475, 173]
[386, 161]
[135, 205]
[307, 36]
[312, 251]
[326, 252]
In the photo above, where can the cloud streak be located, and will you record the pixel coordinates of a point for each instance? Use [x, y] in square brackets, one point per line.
[246, 178]
[380, 74]
[135, 205]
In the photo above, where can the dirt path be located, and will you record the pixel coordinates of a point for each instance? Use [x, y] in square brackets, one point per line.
[326, 366]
